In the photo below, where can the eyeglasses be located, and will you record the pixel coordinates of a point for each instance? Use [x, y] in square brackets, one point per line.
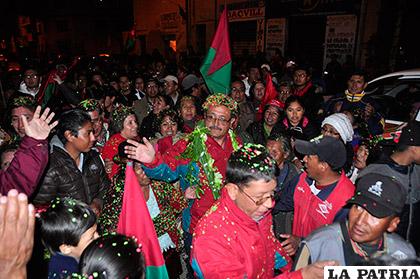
[257, 202]
[221, 119]
[152, 85]
[165, 124]
[326, 131]
[300, 75]
[234, 89]
[31, 76]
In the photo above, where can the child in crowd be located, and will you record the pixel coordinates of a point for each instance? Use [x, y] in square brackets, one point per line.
[112, 256]
[67, 228]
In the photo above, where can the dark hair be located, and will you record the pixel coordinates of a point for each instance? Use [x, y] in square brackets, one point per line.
[121, 157]
[168, 100]
[252, 88]
[279, 110]
[292, 99]
[7, 148]
[113, 256]
[303, 67]
[250, 162]
[72, 121]
[64, 222]
[241, 82]
[358, 72]
[27, 101]
[173, 115]
[388, 260]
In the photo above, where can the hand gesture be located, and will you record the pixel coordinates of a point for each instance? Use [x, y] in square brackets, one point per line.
[369, 111]
[108, 165]
[39, 127]
[144, 153]
[17, 223]
[316, 270]
[57, 79]
[291, 244]
[190, 193]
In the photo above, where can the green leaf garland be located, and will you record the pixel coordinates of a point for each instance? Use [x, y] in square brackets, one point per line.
[196, 151]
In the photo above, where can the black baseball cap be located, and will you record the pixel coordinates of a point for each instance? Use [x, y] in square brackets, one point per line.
[380, 195]
[328, 149]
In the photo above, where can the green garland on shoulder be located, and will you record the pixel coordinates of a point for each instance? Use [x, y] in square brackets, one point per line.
[196, 151]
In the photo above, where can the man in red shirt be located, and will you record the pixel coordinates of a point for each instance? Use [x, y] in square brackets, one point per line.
[318, 195]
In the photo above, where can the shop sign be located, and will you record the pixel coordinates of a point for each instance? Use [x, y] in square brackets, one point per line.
[340, 37]
[246, 14]
[275, 36]
[169, 20]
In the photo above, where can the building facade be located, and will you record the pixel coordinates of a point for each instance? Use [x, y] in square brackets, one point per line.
[309, 30]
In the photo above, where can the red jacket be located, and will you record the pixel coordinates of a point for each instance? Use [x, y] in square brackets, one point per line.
[26, 168]
[227, 243]
[311, 212]
[172, 160]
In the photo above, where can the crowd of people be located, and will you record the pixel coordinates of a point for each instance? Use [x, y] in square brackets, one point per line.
[273, 180]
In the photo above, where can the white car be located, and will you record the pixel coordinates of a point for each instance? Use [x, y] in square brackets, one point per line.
[391, 92]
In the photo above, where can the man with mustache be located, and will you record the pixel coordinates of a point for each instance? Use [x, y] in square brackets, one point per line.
[218, 142]
[368, 233]
[75, 170]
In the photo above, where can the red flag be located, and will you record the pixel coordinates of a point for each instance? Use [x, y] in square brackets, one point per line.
[270, 94]
[217, 65]
[135, 221]
[221, 45]
[47, 88]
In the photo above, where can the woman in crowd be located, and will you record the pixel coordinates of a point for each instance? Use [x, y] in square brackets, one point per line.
[188, 112]
[338, 126]
[261, 130]
[168, 126]
[280, 149]
[123, 126]
[165, 202]
[147, 125]
[257, 92]
[296, 125]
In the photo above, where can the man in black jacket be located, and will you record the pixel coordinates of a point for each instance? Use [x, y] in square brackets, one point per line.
[306, 90]
[75, 170]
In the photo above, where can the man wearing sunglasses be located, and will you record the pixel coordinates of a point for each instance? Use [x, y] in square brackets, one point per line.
[31, 82]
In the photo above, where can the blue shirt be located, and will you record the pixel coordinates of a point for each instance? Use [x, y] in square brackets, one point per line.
[62, 266]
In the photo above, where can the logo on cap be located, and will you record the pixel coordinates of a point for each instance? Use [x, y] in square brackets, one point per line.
[376, 189]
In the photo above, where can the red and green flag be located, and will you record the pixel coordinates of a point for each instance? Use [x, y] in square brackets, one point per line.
[217, 65]
[47, 90]
[48, 87]
[135, 221]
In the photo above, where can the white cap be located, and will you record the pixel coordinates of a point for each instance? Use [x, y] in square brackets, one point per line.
[171, 78]
[266, 66]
